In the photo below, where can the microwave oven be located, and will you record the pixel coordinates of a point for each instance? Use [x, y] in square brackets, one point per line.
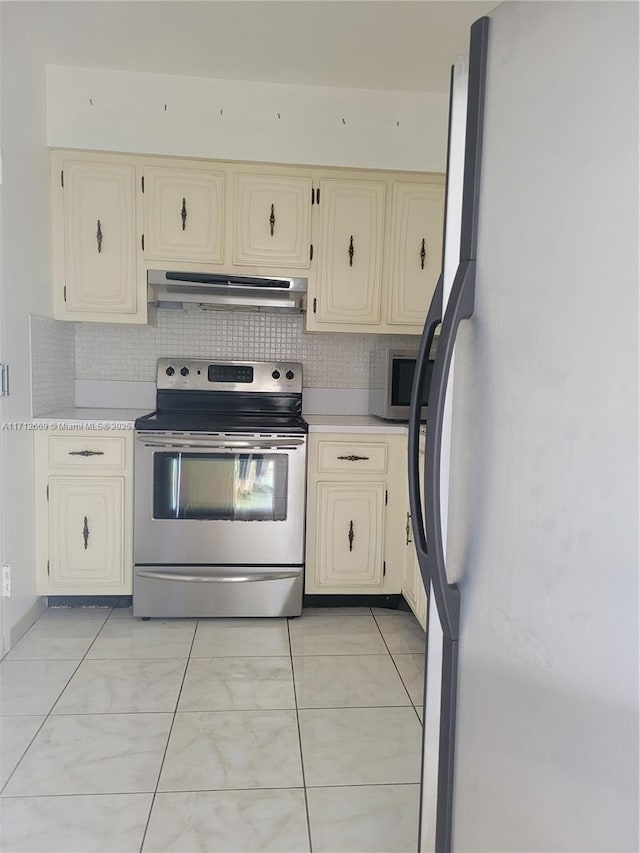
[391, 379]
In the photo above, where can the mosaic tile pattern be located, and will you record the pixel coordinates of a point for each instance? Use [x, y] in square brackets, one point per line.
[52, 364]
[130, 353]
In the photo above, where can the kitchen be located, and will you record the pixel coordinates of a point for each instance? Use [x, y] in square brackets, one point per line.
[27, 200]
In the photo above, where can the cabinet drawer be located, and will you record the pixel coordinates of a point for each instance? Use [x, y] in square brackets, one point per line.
[77, 452]
[352, 457]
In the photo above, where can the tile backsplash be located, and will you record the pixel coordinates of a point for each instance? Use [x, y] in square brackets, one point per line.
[129, 353]
[53, 366]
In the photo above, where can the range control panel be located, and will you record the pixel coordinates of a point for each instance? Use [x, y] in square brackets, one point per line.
[188, 374]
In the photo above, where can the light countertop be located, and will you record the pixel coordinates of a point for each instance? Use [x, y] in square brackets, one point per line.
[91, 417]
[95, 418]
[353, 423]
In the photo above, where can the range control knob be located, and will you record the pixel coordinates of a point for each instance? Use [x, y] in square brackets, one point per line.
[184, 371]
[290, 374]
[170, 371]
[276, 374]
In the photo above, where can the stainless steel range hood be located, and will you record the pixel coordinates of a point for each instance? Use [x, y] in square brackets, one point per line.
[212, 290]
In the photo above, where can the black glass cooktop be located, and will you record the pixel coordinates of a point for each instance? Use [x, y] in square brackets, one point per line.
[263, 423]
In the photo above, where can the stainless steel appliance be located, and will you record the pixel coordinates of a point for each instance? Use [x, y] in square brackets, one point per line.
[212, 290]
[530, 533]
[220, 474]
[391, 379]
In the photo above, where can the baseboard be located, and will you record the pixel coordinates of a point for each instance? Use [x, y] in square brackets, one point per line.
[26, 621]
[89, 601]
[391, 602]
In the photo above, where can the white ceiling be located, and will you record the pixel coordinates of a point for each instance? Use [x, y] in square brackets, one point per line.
[362, 44]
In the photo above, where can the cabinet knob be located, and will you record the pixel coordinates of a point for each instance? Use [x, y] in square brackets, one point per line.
[272, 219]
[423, 253]
[350, 536]
[352, 251]
[183, 214]
[99, 237]
[85, 533]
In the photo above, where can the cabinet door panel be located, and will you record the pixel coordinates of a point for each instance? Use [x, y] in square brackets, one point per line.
[416, 222]
[350, 535]
[183, 215]
[350, 251]
[272, 220]
[86, 531]
[99, 233]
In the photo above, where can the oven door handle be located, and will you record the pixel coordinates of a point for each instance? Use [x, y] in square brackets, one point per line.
[246, 577]
[260, 444]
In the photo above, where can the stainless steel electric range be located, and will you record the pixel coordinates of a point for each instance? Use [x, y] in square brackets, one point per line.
[220, 478]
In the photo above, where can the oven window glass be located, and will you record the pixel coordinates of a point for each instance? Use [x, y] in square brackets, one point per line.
[220, 486]
[402, 380]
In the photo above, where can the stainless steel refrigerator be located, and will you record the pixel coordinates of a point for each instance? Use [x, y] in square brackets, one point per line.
[529, 542]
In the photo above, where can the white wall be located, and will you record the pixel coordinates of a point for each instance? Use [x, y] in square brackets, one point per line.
[239, 120]
[26, 286]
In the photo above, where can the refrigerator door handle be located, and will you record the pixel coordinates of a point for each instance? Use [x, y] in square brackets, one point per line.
[434, 316]
[459, 307]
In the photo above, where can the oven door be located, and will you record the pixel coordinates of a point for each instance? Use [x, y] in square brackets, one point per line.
[219, 500]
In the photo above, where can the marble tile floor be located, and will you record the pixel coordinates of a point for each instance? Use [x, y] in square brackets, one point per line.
[229, 735]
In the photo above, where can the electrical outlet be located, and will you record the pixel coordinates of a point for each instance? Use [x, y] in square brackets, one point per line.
[6, 581]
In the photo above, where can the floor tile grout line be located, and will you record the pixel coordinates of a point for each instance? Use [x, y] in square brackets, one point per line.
[304, 781]
[394, 661]
[49, 713]
[206, 790]
[203, 790]
[166, 747]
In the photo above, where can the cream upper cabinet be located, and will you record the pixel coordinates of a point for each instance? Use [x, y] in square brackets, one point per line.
[349, 246]
[84, 510]
[184, 214]
[272, 220]
[414, 253]
[368, 242]
[97, 257]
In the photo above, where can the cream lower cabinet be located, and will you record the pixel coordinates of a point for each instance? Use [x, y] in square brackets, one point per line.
[353, 523]
[84, 512]
[413, 588]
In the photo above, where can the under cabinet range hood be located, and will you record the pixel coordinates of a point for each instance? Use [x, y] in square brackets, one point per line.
[214, 290]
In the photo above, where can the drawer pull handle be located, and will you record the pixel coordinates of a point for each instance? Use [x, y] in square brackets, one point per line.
[99, 237]
[354, 458]
[423, 253]
[351, 536]
[272, 219]
[86, 453]
[408, 529]
[183, 214]
[85, 533]
[352, 251]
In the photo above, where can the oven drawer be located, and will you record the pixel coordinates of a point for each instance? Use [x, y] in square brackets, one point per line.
[338, 457]
[81, 451]
[209, 591]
